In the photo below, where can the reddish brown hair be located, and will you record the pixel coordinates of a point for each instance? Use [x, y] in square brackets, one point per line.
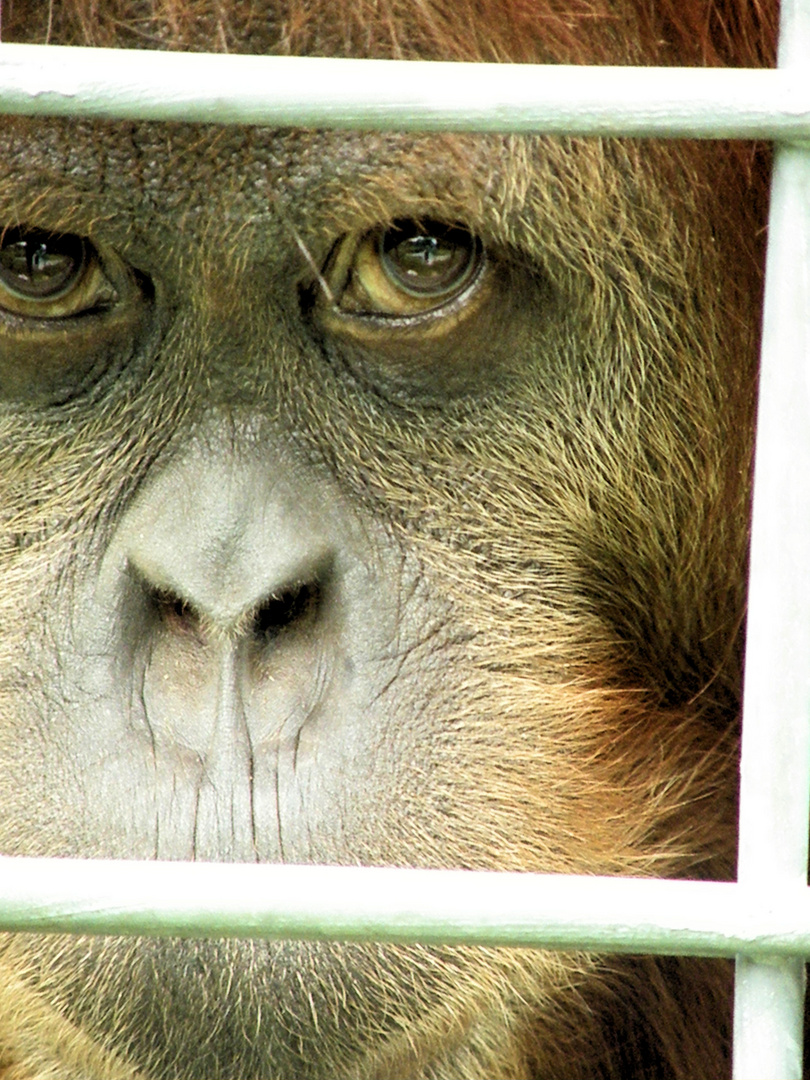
[689, 32]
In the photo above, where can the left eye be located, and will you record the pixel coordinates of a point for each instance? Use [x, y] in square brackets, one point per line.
[404, 269]
[50, 275]
[432, 263]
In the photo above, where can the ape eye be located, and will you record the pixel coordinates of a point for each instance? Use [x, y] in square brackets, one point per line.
[427, 264]
[50, 275]
[404, 269]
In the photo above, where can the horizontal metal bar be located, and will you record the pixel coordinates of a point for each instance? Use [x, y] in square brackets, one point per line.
[388, 904]
[120, 84]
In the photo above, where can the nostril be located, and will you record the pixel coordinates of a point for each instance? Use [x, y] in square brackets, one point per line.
[295, 605]
[174, 613]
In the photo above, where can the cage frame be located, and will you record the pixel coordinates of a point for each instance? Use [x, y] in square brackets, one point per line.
[764, 917]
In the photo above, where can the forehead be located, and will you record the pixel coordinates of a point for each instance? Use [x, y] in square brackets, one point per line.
[82, 173]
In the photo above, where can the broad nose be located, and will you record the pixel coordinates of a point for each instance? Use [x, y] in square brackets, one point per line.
[231, 546]
[227, 580]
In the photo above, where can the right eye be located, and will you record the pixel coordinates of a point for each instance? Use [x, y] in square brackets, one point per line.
[48, 275]
[70, 312]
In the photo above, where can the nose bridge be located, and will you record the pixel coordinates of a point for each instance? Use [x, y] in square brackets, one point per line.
[225, 531]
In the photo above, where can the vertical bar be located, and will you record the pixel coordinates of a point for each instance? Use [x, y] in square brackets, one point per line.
[775, 767]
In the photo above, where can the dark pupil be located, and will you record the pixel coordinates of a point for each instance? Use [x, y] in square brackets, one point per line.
[37, 265]
[430, 263]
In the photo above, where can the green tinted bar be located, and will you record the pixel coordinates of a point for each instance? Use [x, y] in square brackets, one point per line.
[119, 84]
[388, 904]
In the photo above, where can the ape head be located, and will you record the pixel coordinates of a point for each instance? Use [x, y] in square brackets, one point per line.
[373, 499]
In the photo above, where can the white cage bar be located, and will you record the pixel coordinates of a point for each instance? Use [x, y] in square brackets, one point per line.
[629, 915]
[775, 765]
[764, 919]
[409, 95]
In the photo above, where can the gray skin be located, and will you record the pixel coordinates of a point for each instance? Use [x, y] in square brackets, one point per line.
[295, 576]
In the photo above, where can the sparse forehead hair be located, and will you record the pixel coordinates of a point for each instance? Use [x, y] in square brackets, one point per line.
[689, 32]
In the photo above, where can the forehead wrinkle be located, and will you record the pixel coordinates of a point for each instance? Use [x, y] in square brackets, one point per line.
[382, 178]
[116, 180]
